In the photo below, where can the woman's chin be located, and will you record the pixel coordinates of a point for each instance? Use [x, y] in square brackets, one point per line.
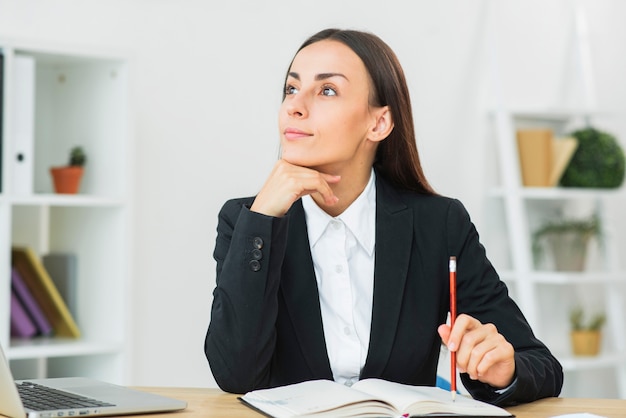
[299, 160]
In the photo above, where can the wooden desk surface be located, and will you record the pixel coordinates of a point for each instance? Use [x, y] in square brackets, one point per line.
[215, 403]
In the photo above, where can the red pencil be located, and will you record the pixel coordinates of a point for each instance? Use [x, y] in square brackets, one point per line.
[452, 318]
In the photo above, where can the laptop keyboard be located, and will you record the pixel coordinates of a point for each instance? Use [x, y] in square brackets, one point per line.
[43, 398]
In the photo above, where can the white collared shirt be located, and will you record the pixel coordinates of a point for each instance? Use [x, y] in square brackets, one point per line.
[342, 248]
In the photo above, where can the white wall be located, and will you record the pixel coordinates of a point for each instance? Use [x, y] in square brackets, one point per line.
[206, 89]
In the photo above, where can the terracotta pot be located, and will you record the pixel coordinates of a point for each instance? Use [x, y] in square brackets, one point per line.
[66, 179]
[586, 343]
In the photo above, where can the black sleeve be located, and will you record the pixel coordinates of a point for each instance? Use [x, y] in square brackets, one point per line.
[241, 335]
[482, 295]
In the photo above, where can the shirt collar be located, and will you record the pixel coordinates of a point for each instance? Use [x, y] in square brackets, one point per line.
[359, 217]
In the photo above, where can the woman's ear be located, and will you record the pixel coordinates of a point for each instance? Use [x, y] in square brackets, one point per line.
[383, 124]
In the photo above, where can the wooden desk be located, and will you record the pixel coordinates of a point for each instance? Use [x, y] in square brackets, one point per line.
[215, 403]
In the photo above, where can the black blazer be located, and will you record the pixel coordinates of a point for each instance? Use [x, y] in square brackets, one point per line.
[266, 325]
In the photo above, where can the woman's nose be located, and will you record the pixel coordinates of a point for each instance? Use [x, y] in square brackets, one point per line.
[297, 106]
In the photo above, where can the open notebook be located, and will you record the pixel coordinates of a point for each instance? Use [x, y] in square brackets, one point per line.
[75, 396]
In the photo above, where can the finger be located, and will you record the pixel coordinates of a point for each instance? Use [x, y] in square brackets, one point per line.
[465, 335]
[330, 197]
[331, 178]
[320, 183]
[476, 345]
[309, 183]
[468, 352]
[501, 352]
[497, 366]
[462, 324]
[444, 333]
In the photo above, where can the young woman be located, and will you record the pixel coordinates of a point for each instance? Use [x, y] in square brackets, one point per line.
[338, 268]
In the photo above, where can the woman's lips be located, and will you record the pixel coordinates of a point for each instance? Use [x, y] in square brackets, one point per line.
[292, 133]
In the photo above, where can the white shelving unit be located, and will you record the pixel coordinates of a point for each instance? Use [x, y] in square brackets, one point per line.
[81, 98]
[546, 296]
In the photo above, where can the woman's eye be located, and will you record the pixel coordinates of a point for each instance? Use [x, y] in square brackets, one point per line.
[329, 91]
[290, 90]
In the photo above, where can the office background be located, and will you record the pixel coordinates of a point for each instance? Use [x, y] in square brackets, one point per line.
[206, 84]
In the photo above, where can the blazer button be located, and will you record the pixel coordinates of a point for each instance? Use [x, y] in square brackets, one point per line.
[256, 254]
[257, 242]
[254, 265]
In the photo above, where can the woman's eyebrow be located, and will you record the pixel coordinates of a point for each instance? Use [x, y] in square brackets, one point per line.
[324, 76]
[319, 77]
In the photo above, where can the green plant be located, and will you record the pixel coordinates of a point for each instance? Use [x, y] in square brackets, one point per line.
[77, 156]
[578, 322]
[597, 162]
[586, 228]
[589, 226]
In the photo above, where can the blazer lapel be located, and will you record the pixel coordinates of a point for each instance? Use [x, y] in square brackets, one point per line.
[394, 231]
[299, 287]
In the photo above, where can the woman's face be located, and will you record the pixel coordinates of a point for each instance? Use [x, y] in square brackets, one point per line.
[326, 118]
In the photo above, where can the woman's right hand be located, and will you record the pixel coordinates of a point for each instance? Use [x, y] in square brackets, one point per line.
[287, 183]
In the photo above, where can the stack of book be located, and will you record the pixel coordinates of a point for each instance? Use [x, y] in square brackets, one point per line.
[37, 307]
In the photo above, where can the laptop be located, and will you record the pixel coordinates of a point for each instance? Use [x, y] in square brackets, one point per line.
[76, 397]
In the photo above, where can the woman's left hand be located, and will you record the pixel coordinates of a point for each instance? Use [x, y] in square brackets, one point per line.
[481, 351]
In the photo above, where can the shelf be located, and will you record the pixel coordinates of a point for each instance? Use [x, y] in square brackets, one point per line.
[62, 200]
[80, 98]
[605, 360]
[561, 277]
[553, 114]
[555, 193]
[54, 54]
[58, 347]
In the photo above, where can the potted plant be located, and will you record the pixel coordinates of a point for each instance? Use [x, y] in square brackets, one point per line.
[598, 161]
[586, 334]
[568, 240]
[66, 179]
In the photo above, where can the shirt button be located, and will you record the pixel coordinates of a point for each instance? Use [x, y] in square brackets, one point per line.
[336, 224]
[338, 268]
[257, 242]
[254, 265]
[346, 331]
[257, 254]
[349, 382]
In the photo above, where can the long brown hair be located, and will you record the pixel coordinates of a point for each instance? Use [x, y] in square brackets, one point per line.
[397, 159]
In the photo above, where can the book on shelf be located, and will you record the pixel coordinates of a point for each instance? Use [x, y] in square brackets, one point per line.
[62, 270]
[543, 158]
[23, 124]
[21, 324]
[32, 308]
[562, 152]
[31, 269]
[368, 397]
